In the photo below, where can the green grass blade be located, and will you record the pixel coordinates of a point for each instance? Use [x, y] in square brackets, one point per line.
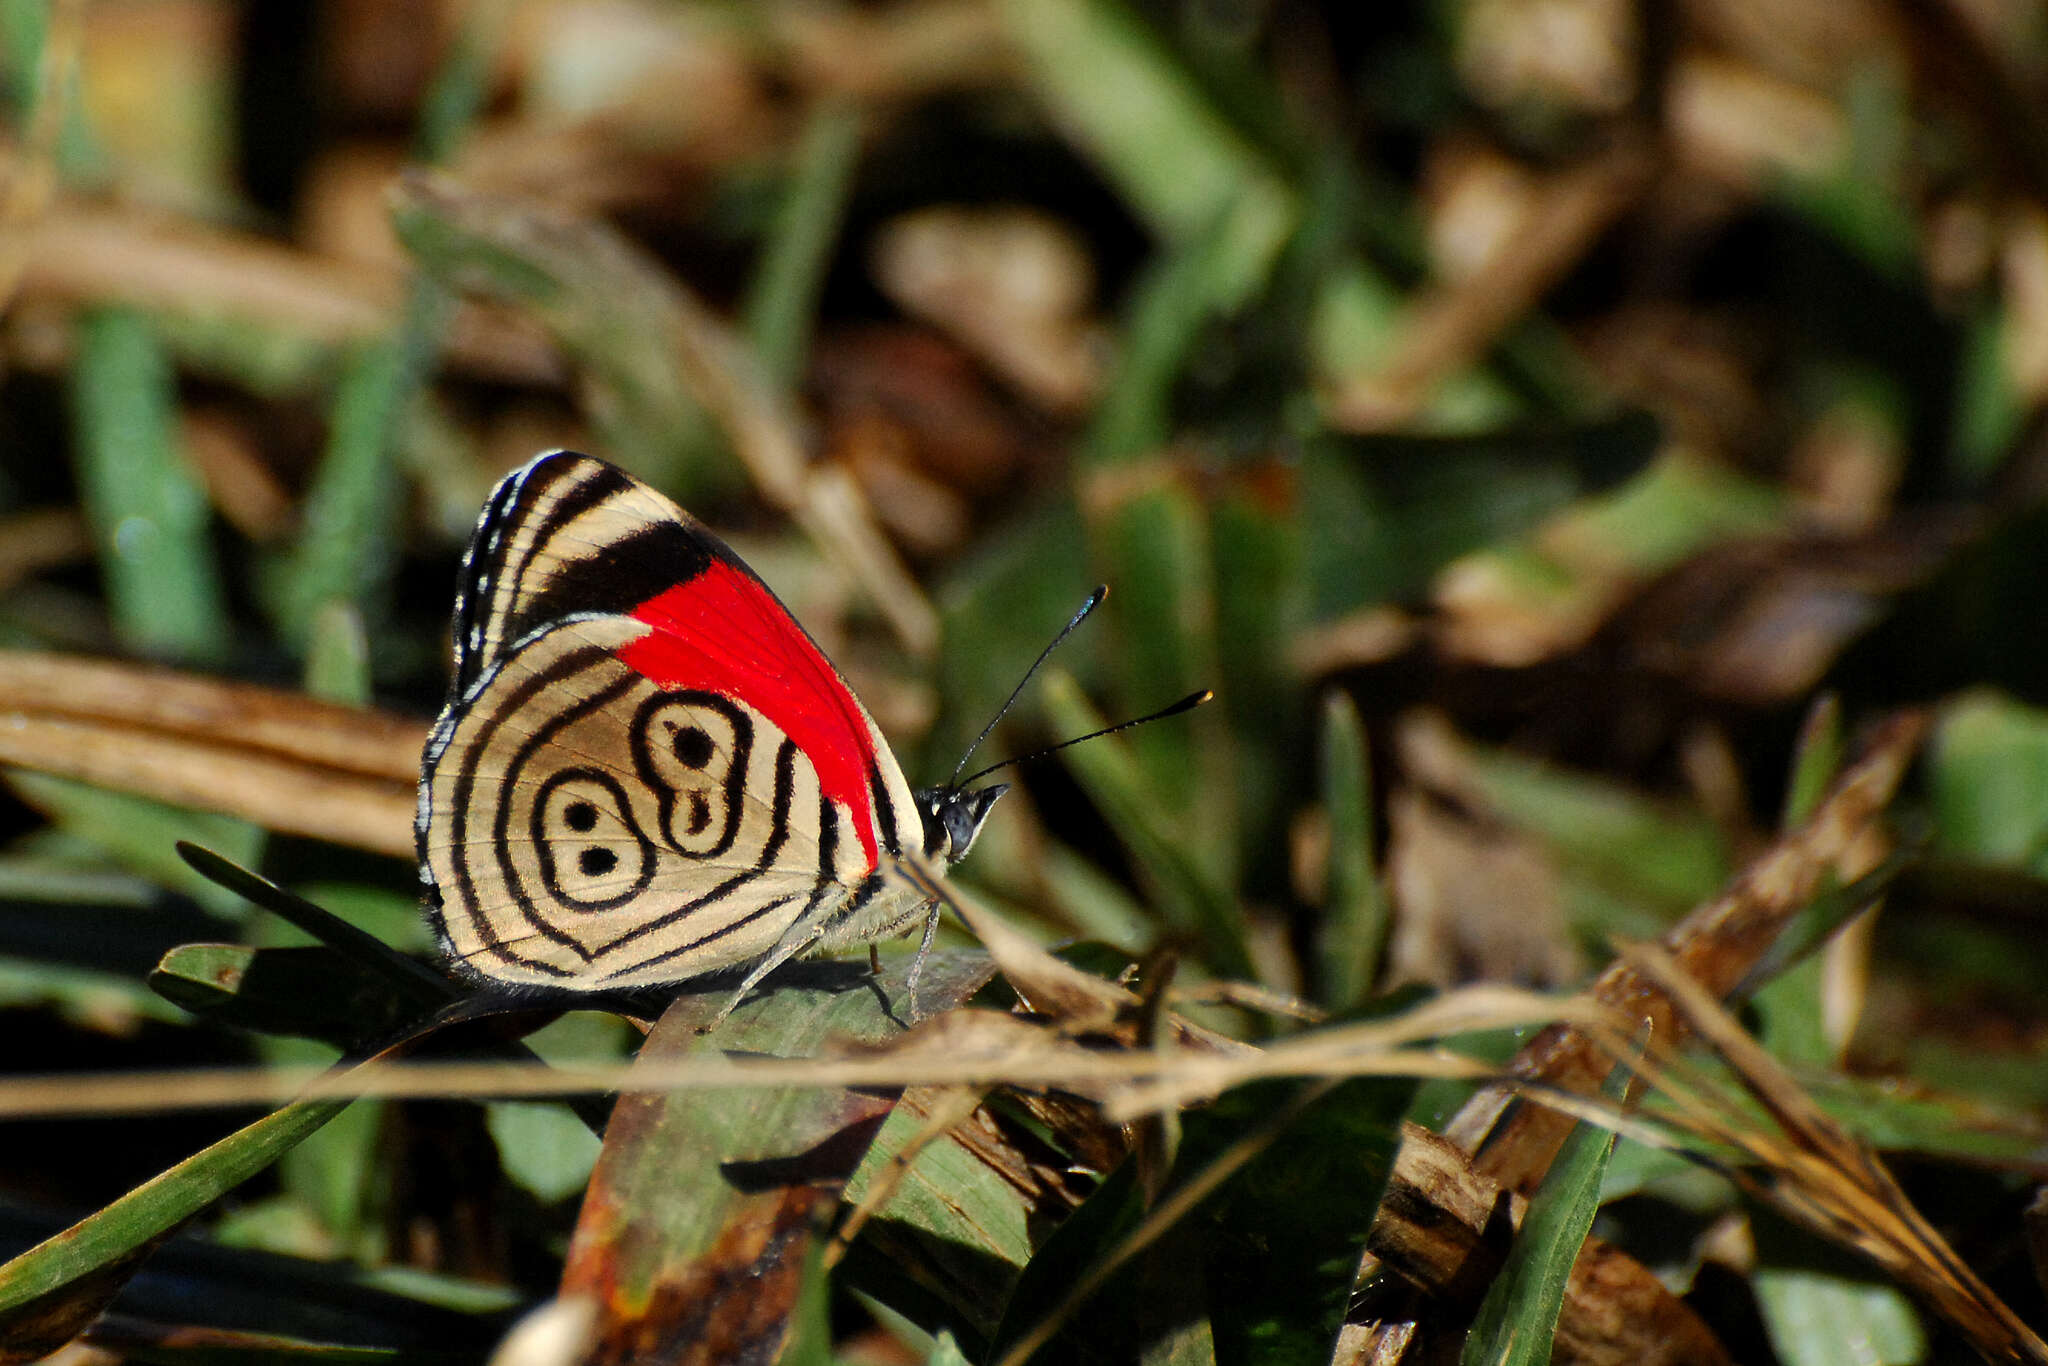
[347, 547]
[1519, 1314]
[462, 83]
[411, 981]
[338, 655]
[1192, 901]
[1815, 760]
[1354, 928]
[1136, 110]
[1792, 1004]
[142, 835]
[783, 298]
[50, 1292]
[150, 518]
[612, 307]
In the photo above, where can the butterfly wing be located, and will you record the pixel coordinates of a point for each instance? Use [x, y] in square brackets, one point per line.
[647, 770]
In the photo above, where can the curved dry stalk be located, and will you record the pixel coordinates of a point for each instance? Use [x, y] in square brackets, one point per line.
[1801, 1161]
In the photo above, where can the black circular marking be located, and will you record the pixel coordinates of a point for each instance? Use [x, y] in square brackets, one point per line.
[662, 750]
[566, 880]
[693, 747]
[581, 817]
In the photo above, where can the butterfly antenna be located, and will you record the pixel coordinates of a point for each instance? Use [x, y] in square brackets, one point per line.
[1094, 601]
[1188, 703]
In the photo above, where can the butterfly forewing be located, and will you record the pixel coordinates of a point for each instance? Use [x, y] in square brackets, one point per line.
[647, 770]
[567, 536]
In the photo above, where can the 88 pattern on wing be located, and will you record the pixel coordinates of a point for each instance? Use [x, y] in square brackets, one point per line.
[646, 770]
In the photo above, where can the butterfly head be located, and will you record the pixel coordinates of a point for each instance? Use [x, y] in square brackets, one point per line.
[952, 818]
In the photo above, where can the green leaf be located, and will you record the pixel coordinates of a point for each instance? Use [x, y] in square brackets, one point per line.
[1988, 775]
[1155, 553]
[312, 993]
[142, 835]
[613, 308]
[1601, 829]
[1175, 298]
[952, 1216]
[1289, 1230]
[418, 986]
[1137, 111]
[1080, 1241]
[543, 1148]
[704, 1206]
[1821, 1307]
[1004, 603]
[1303, 1169]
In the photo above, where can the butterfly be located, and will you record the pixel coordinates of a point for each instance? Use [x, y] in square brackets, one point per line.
[646, 770]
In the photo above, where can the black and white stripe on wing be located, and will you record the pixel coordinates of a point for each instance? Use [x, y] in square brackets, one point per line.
[529, 919]
[566, 536]
[744, 910]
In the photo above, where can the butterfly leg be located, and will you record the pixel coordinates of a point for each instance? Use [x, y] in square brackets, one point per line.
[794, 941]
[924, 951]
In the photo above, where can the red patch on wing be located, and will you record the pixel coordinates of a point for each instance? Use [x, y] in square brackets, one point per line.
[723, 632]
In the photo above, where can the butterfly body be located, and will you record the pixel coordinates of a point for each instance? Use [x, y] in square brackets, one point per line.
[647, 771]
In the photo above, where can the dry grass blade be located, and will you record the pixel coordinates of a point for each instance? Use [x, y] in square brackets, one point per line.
[1716, 946]
[971, 1048]
[81, 254]
[1044, 983]
[1449, 1200]
[281, 759]
[1818, 1173]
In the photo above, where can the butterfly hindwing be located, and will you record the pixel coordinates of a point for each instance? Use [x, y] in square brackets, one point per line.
[590, 827]
[647, 770]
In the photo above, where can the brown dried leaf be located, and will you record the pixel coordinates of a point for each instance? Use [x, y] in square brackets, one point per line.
[1012, 285]
[1452, 326]
[1453, 881]
[1445, 1228]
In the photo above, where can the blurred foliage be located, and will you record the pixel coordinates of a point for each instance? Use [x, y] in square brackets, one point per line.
[1522, 415]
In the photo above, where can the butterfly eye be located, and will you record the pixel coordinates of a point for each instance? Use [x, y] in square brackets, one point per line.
[591, 854]
[692, 749]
